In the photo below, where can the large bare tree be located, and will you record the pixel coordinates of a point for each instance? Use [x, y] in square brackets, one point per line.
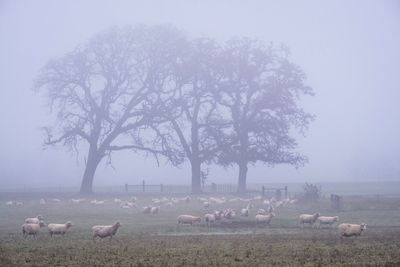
[107, 93]
[193, 109]
[260, 92]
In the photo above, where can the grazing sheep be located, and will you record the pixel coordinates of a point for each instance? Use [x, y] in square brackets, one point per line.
[188, 199]
[209, 218]
[97, 202]
[59, 228]
[245, 212]
[146, 209]
[218, 214]
[42, 201]
[103, 231]
[188, 219]
[35, 220]
[260, 218]
[329, 220]
[117, 200]
[229, 214]
[262, 212]
[308, 218]
[19, 203]
[31, 229]
[347, 229]
[9, 203]
[128, 205]
[206, 204]
[56, 200]
[155, 210]
[77, 201]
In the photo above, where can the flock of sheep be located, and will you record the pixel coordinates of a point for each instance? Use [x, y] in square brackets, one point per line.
[263, 216]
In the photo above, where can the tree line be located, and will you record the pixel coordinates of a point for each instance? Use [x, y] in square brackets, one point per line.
[154, 90]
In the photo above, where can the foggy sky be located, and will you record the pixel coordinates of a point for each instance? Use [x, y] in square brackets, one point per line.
[348, 49]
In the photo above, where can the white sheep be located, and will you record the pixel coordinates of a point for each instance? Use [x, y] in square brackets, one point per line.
[329, 220]
[261, 218]
[42, 201]
[117, 200]
[56, 200]
[347, 229]
[245, 212]
[155, 210]
[308, 218]
[31, 229]
[35, 220]
[146, 209]
[19, 203]
[262, 212]
[77, 201]
[229, 213]
[209, 218]
[9, 203]
[218, 214]
[59, 228]
[188, 219]
[103, 231]
[206, 204]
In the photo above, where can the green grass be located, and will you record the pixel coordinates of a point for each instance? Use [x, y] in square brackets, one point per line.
[156, 240]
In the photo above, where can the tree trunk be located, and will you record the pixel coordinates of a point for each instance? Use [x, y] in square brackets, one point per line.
[242, 177]
[196, 177]
[88, 175]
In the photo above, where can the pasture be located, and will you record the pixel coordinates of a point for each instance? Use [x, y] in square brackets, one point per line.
[157, 240]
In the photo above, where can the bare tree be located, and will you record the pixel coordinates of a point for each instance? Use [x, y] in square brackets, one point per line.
[193, 109]
[107, 93]
[260, 90]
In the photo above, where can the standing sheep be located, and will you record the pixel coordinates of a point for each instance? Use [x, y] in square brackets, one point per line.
[35, 220]
[103, 231]
[188, 219]
[31, 229]
[329, 220]
[209, 218]
[348, 229]
[260, 218]
[308, 218]
[155, 210]
[59, 228]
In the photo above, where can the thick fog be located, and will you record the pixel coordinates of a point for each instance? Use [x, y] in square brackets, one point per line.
[348, 49]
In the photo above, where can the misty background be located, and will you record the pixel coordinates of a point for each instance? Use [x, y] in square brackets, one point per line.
[348, 50]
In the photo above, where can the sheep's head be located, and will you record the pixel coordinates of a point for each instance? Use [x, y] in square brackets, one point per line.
[117, 224]
[198, 219]
[317, 214]
[40, 217]
[272, 214]
[68, 224]
[336, 218]
[363, 226]
[41, 223]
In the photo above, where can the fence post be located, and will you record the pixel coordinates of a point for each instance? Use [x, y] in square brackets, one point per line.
[126, 188]
[144, 186]
[213, 187]
[162, 188]
[263, 191]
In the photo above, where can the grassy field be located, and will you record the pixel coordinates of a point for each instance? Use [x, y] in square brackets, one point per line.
[156, 240]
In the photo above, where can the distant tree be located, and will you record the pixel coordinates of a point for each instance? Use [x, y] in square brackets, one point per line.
[259, 91]
[194, 108]
[107, 94]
